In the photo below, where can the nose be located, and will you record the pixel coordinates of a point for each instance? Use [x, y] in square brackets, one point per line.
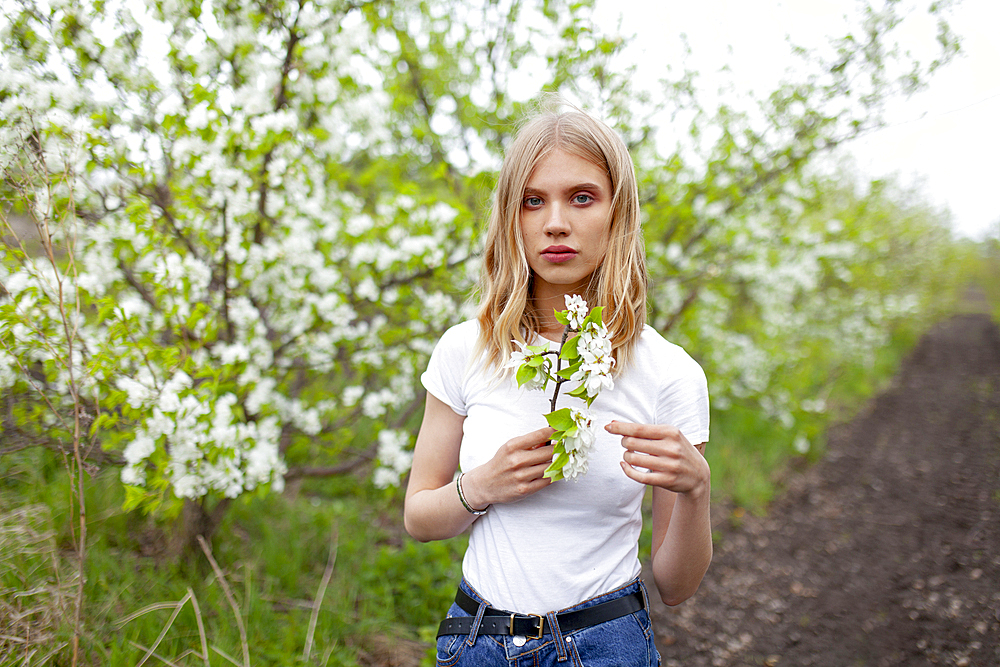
[557, 221]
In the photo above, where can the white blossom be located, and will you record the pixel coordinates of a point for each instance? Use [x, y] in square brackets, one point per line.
[394, 457]
[139, 449]
[138, 394]
[576, 309]
[586, 434]
[520, 356]
[350, 395]
[577, 465]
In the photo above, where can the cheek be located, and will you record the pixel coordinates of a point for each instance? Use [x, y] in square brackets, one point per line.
[604, 242]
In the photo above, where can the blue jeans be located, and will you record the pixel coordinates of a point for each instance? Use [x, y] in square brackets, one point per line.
[621, 642]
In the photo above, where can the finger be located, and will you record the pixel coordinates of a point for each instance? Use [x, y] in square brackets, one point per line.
[539, 456]
[533, 439]
[645, 431]
[666, 447]
[538, 472]
[648, 447]
[637, 474]
[645, 462]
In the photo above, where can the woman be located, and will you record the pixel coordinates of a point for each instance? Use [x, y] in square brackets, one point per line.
[552, 573]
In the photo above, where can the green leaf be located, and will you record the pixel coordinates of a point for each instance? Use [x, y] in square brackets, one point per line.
[560, 420]
[570, 349]
[595, 316]
[134, 497]
[535, 362]
[554, 471]
[568, 372]
[562, 317]
[525, 374]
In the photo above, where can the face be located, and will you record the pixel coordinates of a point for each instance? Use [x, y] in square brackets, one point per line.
[565, 223]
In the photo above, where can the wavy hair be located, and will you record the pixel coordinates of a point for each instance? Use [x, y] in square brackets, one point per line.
[620, 282]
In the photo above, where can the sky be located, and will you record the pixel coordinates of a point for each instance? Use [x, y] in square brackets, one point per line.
[945, 139]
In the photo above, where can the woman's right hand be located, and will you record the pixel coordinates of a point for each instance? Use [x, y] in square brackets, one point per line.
[515, 471]
[432, 510]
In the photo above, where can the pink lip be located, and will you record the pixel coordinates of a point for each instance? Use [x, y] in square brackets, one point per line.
[558, 254]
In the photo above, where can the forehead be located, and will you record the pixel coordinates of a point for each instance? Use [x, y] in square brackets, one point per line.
[561, 169]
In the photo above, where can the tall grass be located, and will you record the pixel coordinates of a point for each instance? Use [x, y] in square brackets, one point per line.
[296, 578]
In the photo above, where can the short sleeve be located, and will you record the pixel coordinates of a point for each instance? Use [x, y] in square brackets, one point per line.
[446, 371]
[683, 401]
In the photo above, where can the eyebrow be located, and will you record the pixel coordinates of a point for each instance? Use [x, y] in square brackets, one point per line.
[573, 188]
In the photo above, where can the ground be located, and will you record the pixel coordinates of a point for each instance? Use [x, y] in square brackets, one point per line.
[887, 552]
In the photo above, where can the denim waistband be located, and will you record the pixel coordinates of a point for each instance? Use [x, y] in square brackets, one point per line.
[627, 589]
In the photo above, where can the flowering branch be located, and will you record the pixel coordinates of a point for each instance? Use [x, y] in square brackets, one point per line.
[589, 362]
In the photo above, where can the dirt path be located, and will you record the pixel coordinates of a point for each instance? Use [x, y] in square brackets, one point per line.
[888, 551]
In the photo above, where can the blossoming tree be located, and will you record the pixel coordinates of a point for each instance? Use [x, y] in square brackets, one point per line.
[260, 217]
[269, 212]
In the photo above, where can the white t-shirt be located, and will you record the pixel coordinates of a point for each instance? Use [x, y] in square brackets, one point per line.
[575, 539]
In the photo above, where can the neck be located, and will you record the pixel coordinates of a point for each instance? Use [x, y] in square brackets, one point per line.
[543, 307]
[546, 297]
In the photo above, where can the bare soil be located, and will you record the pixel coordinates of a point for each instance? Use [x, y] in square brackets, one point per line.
[887, 552]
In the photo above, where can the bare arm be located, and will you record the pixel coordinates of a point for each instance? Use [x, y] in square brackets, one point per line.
[433, 510]
[681, 481]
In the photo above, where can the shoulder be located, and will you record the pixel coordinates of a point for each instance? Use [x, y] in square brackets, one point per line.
[678, 382]
[458, 342]
[463, 334]
[655, 351]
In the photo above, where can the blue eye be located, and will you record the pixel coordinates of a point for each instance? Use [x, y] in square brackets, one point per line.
[582, 199]
[532, 202]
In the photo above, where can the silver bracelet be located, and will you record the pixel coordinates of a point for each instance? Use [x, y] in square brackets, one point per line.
[465, 503]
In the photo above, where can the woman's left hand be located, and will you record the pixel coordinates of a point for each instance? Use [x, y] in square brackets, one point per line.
[670, 461]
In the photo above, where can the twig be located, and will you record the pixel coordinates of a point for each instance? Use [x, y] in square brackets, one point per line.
[559, 380]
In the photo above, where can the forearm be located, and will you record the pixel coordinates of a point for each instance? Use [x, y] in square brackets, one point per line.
[683, 556]
[436, 514]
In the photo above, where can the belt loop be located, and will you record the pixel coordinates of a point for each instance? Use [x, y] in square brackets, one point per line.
[645, 595]
[476, 623]
[557, 636]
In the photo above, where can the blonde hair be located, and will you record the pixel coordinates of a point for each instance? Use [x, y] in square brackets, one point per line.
[619, 284]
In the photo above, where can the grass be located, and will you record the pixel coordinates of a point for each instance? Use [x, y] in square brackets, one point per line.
[309, 579]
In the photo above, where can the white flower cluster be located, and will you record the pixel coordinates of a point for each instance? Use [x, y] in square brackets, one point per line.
[596, 360]
[208, 448]
[576, 311]
[579, 444]
[536, 355]
[395, 457]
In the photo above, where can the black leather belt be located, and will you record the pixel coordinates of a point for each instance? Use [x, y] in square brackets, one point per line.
[496, 622]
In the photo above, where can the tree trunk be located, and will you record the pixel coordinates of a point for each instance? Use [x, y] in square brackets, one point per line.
[195, 519]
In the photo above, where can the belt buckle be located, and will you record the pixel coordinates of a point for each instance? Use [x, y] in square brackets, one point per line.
[541, 625]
